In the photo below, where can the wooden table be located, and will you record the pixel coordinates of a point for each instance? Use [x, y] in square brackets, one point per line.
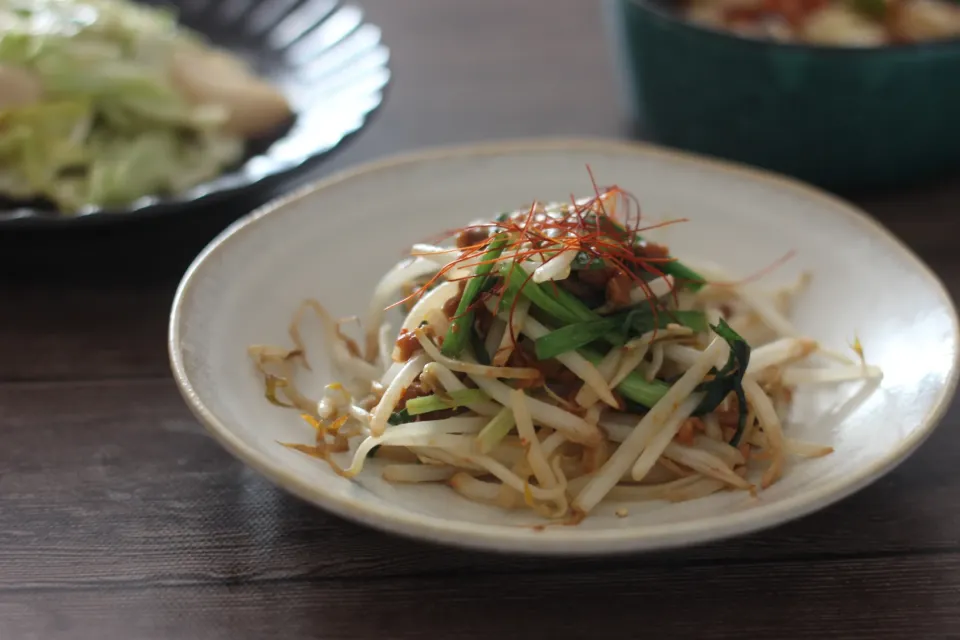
[120, 518]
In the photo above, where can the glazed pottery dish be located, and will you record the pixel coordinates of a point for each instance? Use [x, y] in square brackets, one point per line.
[839, 100]
[564, 347]
[118, 107]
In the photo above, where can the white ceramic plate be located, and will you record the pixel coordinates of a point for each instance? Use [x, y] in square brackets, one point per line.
[335, 239]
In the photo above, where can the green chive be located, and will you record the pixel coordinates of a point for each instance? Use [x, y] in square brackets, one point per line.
[496, 430]
[616, 329]
[572, 337]
[729, 379]
[875, 9]
[478, 347]
[556, 301]
[452, 400]
[634, 387]
[586, 262]
[400, 417]
[458, 333]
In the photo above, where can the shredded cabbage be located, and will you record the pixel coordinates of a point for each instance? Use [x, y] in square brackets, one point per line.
[109, 124]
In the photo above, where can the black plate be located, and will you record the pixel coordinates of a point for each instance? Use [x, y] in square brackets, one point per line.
[327, 60]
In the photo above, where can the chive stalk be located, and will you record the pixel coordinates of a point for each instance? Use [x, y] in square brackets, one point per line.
[495, 431]
[566, 310]
[459, 331]
[558, 303]
[634, 387]
[616, 329]
[452, 400]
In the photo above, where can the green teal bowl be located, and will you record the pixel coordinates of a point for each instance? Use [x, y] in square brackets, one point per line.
[837, 117]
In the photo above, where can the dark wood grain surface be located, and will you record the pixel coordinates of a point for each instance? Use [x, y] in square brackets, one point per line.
[120, 518]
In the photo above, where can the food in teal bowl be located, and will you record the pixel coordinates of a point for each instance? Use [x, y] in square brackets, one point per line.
[842, 95]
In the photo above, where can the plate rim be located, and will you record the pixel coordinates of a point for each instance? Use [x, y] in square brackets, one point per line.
[602, 542]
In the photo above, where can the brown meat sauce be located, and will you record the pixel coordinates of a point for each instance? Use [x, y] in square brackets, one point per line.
[608, 284]
[406, 346]
[651, 250]
[450, 306]
[471, 237]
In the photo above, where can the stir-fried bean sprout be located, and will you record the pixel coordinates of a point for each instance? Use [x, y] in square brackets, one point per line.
[553, 360]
